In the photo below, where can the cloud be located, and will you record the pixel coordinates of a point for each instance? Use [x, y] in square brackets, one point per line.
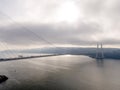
[42, 34]
[99, 22]
[103, 11]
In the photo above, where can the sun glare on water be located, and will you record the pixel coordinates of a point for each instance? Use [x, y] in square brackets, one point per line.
[67, 12]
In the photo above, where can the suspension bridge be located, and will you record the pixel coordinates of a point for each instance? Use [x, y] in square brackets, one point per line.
[99, 50]
[98, 56]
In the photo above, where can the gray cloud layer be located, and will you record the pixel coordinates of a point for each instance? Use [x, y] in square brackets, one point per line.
[42, 34]
[100, 22]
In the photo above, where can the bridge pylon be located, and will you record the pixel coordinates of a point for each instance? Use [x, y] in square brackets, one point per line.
[99, 51]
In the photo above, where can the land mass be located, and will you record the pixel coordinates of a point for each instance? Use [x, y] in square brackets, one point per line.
[109, 53]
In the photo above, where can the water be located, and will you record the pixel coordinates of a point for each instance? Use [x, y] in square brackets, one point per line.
[61, 73]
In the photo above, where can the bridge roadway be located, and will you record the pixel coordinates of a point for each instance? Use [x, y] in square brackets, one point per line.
[27, 57]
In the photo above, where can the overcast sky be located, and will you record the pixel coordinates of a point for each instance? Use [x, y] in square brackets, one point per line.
[60, 22]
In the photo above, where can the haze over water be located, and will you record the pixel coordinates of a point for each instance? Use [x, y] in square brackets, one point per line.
[61, 73]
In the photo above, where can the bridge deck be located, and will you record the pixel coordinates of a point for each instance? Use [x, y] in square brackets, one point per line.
[27, 57]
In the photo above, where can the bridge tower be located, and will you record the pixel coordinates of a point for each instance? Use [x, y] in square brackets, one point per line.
[99, 51]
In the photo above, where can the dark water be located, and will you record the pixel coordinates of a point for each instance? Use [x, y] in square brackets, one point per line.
[61, 73]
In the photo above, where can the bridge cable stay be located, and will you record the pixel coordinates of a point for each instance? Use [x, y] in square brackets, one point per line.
[6, 50]
[29, 30]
